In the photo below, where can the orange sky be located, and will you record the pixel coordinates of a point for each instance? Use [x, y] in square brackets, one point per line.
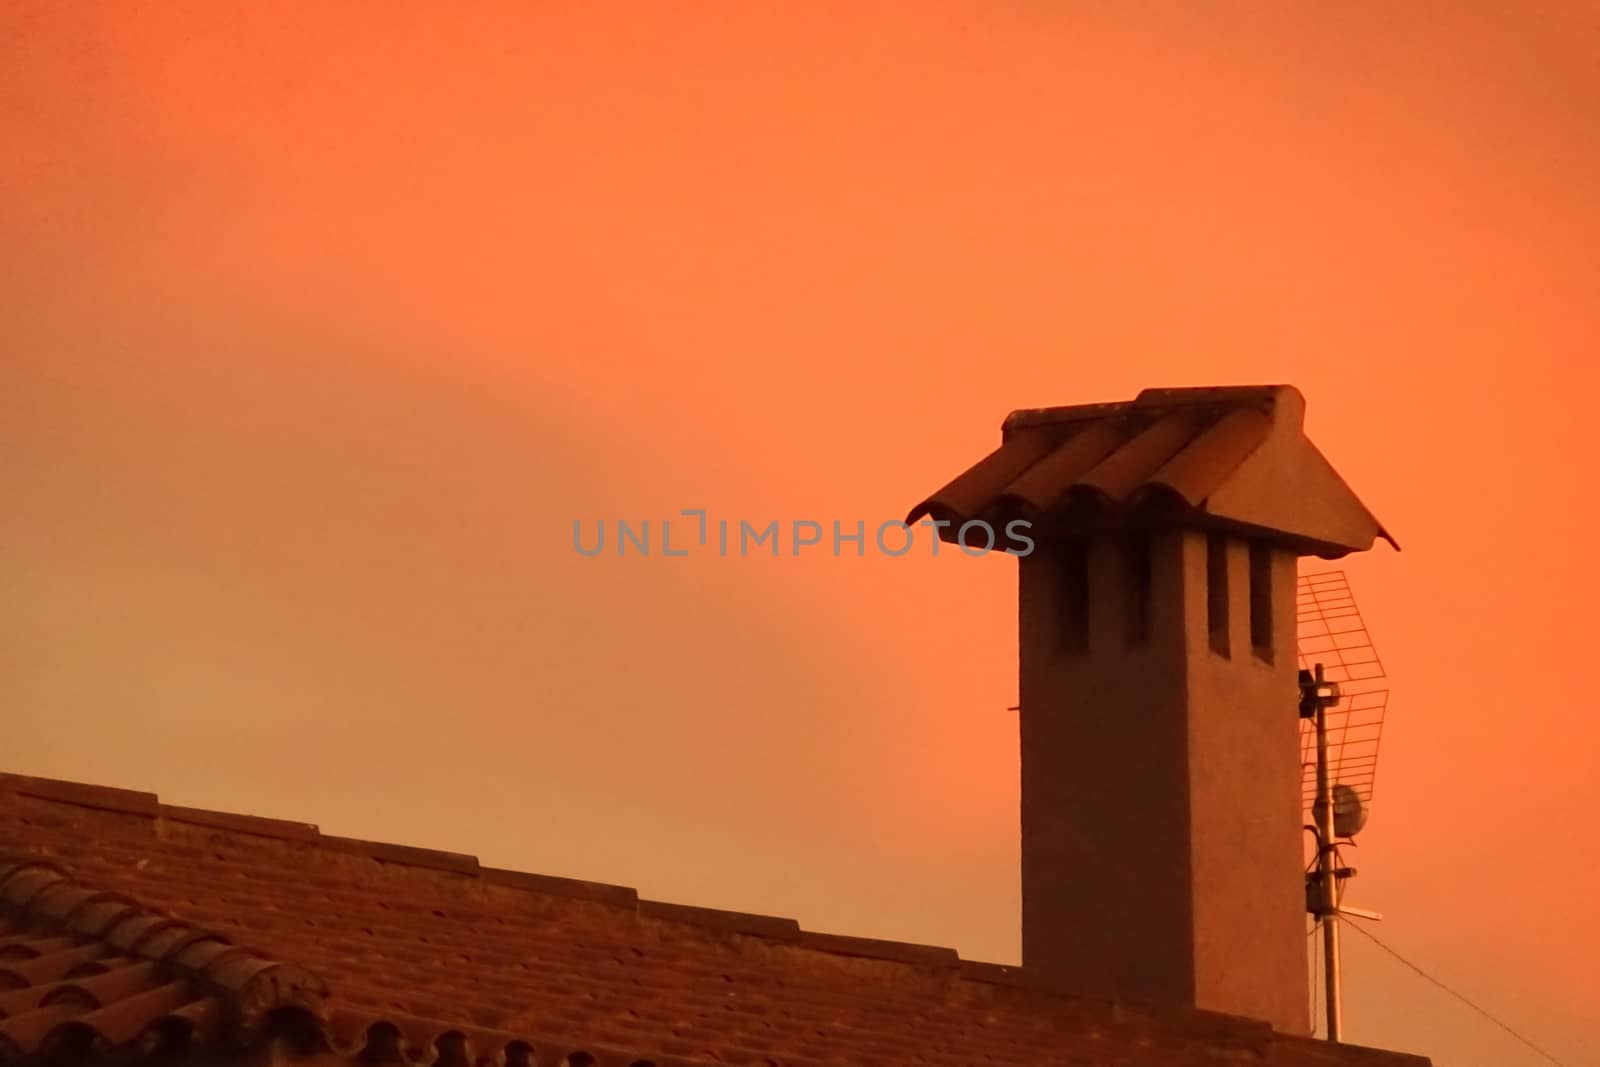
[320, 327]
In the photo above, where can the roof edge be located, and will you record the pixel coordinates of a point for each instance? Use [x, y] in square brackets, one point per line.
[774, 928]
[82, 794]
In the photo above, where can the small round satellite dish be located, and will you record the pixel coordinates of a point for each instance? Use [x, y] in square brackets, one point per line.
[1349, 811]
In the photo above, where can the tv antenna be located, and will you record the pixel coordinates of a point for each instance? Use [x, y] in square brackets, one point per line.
[1343, 697]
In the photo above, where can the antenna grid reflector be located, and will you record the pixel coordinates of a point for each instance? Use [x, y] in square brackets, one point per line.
[1330, 632]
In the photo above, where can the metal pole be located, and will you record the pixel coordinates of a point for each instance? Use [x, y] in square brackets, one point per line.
[1325, 869]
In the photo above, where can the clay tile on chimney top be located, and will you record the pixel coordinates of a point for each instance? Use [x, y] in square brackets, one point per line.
[1232, 457]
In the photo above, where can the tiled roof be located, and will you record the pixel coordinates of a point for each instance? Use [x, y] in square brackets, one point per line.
[128, 926]
[1217, 456]
[80, 965]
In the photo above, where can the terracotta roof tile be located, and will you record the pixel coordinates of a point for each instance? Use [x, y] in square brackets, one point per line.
[126, 924]
[1215, 456]
[84, 968]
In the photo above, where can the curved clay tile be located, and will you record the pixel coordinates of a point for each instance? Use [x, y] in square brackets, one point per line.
[1233, 456]
[122, 972]
[1129, 467]
[1216, 452]
[971, 492]
[1042, 487]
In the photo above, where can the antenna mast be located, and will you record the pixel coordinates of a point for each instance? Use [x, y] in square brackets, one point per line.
[1322, 694]
[1342, 704]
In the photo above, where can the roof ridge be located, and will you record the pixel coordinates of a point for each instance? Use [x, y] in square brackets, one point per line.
[774, 928]
[1264, 397]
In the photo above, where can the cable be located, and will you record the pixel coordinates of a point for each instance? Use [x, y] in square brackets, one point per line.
[1316, 982]
[1361, 929]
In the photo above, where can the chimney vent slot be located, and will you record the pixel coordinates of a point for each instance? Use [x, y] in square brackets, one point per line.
[1261, 600]
[1074, 592]
[1217, 593]
[1137, 581]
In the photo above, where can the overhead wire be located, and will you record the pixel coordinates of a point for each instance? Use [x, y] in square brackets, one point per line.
[1361, 929]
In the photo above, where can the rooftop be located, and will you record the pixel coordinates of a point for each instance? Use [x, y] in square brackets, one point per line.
[131, 927]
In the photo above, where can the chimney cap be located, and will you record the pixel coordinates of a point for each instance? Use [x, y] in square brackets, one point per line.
[1230, 457]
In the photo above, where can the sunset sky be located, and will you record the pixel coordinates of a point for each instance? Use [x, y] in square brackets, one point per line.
[320, 325]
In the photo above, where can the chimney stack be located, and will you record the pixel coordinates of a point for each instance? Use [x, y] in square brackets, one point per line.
[1161, 821]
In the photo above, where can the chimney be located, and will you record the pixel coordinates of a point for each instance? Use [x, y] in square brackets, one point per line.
[1162, 857]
